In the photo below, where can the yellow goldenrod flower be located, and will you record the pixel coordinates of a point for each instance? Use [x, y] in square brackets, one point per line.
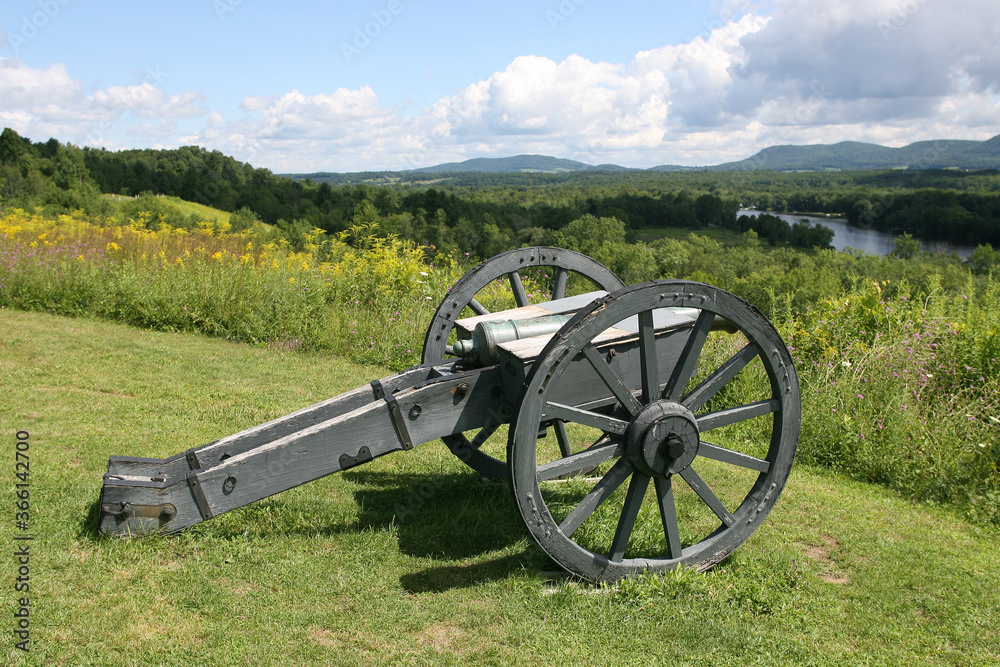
[112, 247]
[217, 256]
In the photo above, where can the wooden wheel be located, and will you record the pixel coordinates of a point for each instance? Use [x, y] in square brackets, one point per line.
[706, 407]
[570, 270]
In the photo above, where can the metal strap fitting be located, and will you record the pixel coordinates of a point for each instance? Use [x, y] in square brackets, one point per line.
[192, 459]
[398, 422]
[199, 496]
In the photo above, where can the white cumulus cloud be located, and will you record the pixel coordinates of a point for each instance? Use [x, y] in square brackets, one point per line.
[24, 87]
[48, 102]
[888, 71]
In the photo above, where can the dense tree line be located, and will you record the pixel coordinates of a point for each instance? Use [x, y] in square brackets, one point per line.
[933, 214]
[777, 231]
[46, 174]
[482, 212]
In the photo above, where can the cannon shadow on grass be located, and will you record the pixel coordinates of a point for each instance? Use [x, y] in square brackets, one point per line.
[88, 526]
[450, 517]
[441, 516]
[448, 577]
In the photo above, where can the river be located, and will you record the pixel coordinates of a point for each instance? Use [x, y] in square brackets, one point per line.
[869, 240]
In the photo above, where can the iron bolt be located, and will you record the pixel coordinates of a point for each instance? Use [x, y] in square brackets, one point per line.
[672, 448]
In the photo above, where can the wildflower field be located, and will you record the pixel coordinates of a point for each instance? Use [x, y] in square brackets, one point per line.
[905, 391]
[901, 383]
[359, 294]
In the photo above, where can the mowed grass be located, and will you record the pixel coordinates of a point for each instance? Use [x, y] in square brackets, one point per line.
[414, 559]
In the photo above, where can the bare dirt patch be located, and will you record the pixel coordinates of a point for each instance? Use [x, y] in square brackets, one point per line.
[821, 554]
[324, 637]
[440, 636]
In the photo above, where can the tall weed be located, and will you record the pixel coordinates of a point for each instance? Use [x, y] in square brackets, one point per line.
[360, 294]
[904, 391]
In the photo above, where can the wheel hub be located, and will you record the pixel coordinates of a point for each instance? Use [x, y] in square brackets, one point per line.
[663, 439]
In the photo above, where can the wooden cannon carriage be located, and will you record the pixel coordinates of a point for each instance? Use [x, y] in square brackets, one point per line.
[580, 399]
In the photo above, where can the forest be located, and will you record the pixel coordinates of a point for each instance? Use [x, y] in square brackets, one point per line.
[483, 213]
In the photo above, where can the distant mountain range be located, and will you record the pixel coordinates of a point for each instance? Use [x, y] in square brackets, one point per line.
[843, 156]
[846, 155]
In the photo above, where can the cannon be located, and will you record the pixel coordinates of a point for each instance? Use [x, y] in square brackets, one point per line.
[640, 427]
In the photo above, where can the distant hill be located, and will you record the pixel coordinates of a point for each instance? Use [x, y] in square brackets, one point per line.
[518, 163]
[847, 155]
[843, 156]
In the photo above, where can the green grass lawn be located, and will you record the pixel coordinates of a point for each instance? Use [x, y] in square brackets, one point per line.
[413, 559]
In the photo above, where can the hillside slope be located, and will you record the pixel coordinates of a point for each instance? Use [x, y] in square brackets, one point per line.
[854, 155]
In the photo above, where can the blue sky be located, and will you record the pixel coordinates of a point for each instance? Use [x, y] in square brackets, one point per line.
[395, 84]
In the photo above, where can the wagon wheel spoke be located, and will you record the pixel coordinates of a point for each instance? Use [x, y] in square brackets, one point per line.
[717, 380]
[740, 413]
[588, 458]
[710, 451]
[517, 287]
[602, 491]
[562, 437]
[688, 361]
[626, 522]
[559, 290]
[613, 380]
[699, 486]
[647, 358]
[478, 308]
[587, 418]
[484, 433]
[668, 515]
